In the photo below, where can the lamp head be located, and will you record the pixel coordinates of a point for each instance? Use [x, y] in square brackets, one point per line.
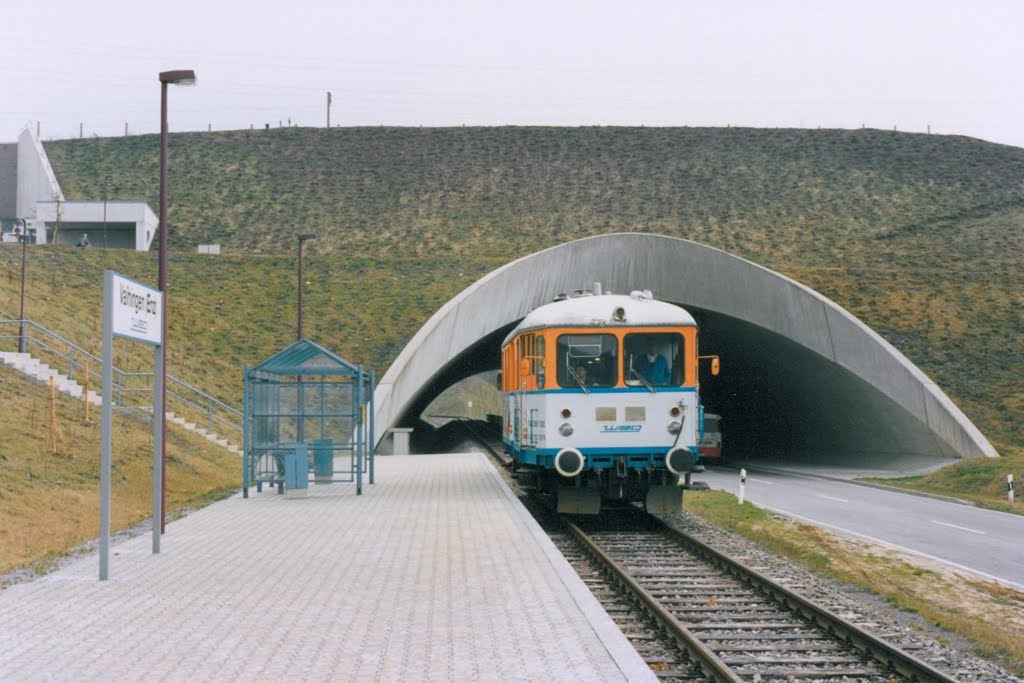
[178, 77]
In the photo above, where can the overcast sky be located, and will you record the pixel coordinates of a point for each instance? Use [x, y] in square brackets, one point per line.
[955, 65]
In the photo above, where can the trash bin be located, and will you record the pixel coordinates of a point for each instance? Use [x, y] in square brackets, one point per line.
[323, 460]
[296, 471]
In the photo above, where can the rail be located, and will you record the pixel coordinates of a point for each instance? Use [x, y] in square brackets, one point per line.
[130, 388]
[650, 583]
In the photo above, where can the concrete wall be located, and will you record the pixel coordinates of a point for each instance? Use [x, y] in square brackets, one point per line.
[87, 216]
[8, 179]
[805, 369]
[36, 181]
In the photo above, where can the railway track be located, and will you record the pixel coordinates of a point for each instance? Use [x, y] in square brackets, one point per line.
[695, 614]
[734, 623]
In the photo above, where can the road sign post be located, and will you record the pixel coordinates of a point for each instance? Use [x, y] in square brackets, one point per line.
[134, 311]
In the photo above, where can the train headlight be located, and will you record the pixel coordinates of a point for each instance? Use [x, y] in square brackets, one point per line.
[566, 413]
[674, 426]
[674, 411]
[565, 429]
[680, 460]
[569, 462]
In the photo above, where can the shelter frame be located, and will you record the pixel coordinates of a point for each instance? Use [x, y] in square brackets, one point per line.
[305, 397]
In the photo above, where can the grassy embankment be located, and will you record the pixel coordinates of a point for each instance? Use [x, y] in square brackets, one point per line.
[49, 502]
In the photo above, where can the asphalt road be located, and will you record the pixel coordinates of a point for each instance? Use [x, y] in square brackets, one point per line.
[987, 543]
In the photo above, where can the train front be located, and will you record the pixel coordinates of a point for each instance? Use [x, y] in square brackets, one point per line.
[601, 401]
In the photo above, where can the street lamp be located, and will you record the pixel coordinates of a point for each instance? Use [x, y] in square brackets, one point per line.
[179, 77]
[106, 190]
[308, 237]
[21, 315]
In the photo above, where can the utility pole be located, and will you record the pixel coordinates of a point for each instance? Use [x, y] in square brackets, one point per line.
[328, 108]
[106, 189]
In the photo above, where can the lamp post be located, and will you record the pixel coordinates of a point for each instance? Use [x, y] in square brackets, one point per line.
[308, 237]
[21, 315]
[179, 77]
[106, 189]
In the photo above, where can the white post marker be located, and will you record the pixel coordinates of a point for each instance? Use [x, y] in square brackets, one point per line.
[132, 310]
[1009, 487]
[743, 485]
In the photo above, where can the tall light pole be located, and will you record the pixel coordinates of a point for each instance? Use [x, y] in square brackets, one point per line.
[179, 77]
[308, 237]
[106, 189]
[21, 315]
[328, 108]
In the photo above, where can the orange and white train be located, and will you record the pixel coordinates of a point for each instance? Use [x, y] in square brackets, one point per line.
[601, 400]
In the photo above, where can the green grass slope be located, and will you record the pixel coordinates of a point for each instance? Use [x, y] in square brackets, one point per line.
[920, 236]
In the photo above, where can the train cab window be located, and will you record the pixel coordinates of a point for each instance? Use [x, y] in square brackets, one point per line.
[654, 359]
[587, 360]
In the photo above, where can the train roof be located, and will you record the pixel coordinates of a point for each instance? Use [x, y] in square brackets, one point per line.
[639, 309]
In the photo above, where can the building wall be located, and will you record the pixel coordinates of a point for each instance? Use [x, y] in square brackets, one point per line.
[8, 179]
[36, 181]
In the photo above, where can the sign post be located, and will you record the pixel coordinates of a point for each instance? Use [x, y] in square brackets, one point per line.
[134, 311]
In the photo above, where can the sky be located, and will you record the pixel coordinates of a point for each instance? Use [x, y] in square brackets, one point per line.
[954, 66]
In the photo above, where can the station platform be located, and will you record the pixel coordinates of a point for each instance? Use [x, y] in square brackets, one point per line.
[435, 573]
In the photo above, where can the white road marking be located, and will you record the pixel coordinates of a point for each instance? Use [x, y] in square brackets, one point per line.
[760, 481]
[822, 495]
[961, 528]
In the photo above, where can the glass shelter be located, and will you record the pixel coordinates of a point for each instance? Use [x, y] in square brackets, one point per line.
[307, 411]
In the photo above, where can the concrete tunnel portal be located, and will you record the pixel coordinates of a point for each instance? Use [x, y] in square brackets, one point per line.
[801, 378]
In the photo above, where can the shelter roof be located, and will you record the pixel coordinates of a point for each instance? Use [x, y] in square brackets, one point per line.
[305, 357]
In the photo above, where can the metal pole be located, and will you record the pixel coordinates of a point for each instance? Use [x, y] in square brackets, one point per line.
[245, 434]
[373, 442]
[106, 423]
[300, 289]
[106, 189]
[158, 444]
[360, 432]
[21, 315]
[328, 109]
[162, 286]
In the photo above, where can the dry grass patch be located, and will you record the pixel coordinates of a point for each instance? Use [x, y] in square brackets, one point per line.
[49, 502]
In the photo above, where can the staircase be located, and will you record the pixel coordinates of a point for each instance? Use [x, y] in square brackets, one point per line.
[35, 369]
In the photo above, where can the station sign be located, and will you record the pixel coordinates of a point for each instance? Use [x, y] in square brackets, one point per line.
[136, 310]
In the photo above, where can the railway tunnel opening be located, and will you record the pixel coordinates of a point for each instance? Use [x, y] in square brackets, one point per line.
[802, 379]
[778, 400]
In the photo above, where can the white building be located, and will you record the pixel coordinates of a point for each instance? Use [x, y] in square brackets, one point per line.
[29, 190]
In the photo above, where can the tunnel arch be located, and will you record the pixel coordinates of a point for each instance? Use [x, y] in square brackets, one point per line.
[802, 377]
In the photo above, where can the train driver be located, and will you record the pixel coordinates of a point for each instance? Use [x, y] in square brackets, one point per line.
[652, 366]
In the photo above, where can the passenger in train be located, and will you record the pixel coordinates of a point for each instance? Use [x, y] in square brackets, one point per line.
[652, 366]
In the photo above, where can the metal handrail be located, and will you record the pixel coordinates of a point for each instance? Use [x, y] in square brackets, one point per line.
[75, 355]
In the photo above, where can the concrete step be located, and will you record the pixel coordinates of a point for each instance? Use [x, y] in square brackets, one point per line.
[32, 367]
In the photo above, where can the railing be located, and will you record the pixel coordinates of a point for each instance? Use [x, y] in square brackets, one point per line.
[132, 390]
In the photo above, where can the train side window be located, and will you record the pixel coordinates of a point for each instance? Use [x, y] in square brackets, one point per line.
[538, 360]
[589, 360]
[654, 358]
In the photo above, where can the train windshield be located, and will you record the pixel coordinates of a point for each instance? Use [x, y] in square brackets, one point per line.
[587, 360]
[655, 359]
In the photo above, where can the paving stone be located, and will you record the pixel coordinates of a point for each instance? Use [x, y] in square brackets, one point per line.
[435, 573]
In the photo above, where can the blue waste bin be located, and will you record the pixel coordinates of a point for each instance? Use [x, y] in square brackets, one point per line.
[296, 471]
[323, 460]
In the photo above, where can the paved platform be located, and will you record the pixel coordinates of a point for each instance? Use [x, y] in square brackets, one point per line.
[436, 573]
